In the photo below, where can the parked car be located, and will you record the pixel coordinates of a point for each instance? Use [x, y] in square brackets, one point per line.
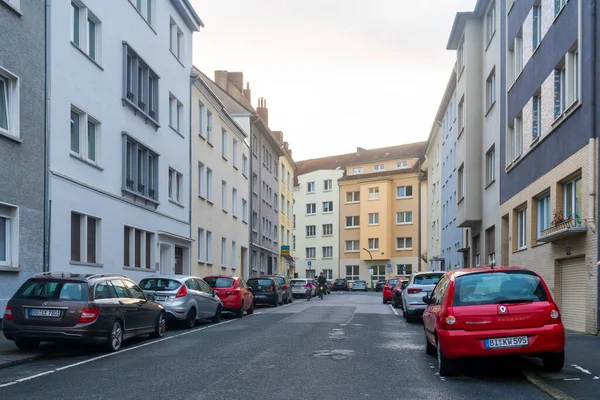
[285, 287]
[236, 296]
[359, 285]
[493, 312]
[186, 298]
[397, 293]
[85, 308]
[379, 285]
[420, 284]
[266, 291]
[388, 287]
[340, 284]
[298, 289]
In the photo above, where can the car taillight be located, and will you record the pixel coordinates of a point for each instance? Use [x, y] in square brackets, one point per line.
[232, 292]
[88, 315]
[285, 287]
[8, 315]
[182, 292]
[414, 290]
[271, 289]
[450, 322]
[554, 317]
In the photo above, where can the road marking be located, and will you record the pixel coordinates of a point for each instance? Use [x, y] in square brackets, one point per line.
[581, 369]
[393, 309]
[28, 378]
[353, 312]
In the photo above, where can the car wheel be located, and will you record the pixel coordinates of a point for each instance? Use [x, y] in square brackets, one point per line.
[429, 348]
[27, 344]
[250, 311]
[404, 315]
[240, 313]
[115, 337]
[384, 302]
[161, 325]
[290, 299]
[276, 302]
[554, 362]
[446, 367]
[190, 320]
[217, 316]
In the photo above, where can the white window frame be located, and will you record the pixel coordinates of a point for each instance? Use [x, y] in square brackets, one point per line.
[350, 246]
[145, 263]
[224, 137]
[543, 213]
[175, 186]
[404, 218]
[522, 228]
[374, 193]
[209, 249]
[201, 180]
[354, 197]
[175, 113]
[355, 222]
[209, 185]
[176, 41]
[201, 246]
[10, 214]
[234, 202]
[234, 153]
[490, 166]
[313, 208]
[402, 243]
[310, 187]
[244, 210]
[354, 273]
[11, 98]
[209, 126]
[245, 166]
[461, 182]
[490, 91]
[223, 252]
[402, 192]
[84, 136]
[90, 46]
[490, 22]
[311, 230]
[357, 170]
[311, 253]
[327, 252]
[374, 218]
[327, 207]
[402, 164]
[224, 195]
[327, 229]
[83, 239]
[378, 167]
[569, 190]
[327, 185]
[140, 181]
[373, 243]
[146, 9]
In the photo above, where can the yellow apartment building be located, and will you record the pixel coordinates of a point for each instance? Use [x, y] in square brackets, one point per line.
[380, 213]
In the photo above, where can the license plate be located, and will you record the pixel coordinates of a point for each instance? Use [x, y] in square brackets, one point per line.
[160, 298]
[499, 343]
[37, 312]
[260, 296]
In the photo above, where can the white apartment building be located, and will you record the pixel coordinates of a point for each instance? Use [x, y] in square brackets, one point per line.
[316, 223]
[220, 186]
[120, 145]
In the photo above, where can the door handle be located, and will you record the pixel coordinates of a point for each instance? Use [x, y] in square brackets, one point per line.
[120, 302]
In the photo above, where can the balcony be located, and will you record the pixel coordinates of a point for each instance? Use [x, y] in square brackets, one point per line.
[563, 229]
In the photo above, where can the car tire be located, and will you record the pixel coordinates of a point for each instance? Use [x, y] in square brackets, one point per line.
[554, 362]
[217, 316]
[250, 311]
[115, 337]
[161, 326]
[190, 320]
[446, 366]
[23, 344]
[384, 302]
[240, 313]
[430, 349]
[290, 299]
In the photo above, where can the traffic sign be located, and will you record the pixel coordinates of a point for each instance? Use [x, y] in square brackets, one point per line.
[309, 263]
[389, 267]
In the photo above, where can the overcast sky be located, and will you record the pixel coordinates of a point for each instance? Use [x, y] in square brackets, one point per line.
[336, 74]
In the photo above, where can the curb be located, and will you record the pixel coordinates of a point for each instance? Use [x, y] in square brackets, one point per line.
[20, 361]
[544, 386]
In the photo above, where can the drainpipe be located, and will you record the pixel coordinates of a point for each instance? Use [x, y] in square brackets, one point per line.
[193, 80]
[47, 202]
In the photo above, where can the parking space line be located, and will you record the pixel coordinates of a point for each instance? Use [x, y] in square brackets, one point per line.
[393, 309]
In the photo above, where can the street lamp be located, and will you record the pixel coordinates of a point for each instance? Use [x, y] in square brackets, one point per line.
[419, 157]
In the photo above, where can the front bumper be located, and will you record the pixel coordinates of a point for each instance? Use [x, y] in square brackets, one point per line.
[460, 343]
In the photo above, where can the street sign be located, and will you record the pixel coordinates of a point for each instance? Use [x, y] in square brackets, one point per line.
[389, 267]
[309, 263]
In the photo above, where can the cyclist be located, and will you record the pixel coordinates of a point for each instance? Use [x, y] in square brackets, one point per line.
[321, 281]
[309, 287]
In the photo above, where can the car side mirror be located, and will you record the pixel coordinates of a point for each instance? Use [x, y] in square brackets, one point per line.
[249, 288]
[215, 292]
[426, 300]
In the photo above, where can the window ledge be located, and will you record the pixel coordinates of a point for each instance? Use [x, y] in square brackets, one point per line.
[405, 249]
[327, 212]
[225, 211]
[520, 249]
[490, 183]
[404, 223]
[12, 7]
[96, 63]
[5, 268]
[565, 114]
[153, 271]
[535, 141]
[137, 109]
[144, 18]
[202, 136]
[245, 222]
[137, 194]
[86, 264]
[176, 131]
[224, 158]
[236, 167]
[210, 202]
[85, 161]
[176, 203]
[10, 136]
[177, 58]
[404, 198]
[490, 40]
[200, 262]
[208, 142]
[460, 200]
[490, 108]
[513, 163]
[201, 197]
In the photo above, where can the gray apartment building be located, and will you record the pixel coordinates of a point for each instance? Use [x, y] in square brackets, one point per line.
[22, 136]
[549, 150]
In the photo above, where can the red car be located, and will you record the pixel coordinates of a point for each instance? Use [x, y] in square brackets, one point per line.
[388, 294]
[234, 293]
[493, 311]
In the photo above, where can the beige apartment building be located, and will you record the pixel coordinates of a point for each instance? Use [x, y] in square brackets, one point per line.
[287, 171]
[380, 213]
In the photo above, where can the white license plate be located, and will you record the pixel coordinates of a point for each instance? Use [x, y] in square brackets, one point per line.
[40, 312]
[260, 296]
[160, 298]
[499, 343]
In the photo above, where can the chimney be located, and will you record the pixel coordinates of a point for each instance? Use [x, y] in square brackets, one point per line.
[359, 151]
[262, 110]
[221, 79]
[279, 136]
[237, 80]
[247, 93]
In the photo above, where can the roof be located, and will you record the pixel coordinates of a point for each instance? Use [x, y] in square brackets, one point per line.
[324, 163]
[189, 15]
[382, 175]
[460, 20]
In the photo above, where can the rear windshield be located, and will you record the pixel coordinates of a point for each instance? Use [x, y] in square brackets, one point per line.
[427, 279]
[260, 282]
[340, 280]
[393, 282]
[219, 282]
[159, 284]
[297, 281]
[46, 289]
[360, 282]
[498, 287]
[280, 279]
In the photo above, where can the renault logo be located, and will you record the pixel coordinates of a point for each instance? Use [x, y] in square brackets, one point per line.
[502, 309]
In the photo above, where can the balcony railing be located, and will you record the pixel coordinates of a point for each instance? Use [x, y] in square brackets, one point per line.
[561, 230]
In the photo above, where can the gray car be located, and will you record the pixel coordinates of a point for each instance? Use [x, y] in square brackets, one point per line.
[185, 298]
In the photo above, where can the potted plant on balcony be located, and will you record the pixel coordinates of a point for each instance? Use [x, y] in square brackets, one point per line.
[557, 218]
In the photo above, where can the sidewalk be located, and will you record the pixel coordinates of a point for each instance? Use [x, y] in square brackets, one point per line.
[11, 355]
[580, 377]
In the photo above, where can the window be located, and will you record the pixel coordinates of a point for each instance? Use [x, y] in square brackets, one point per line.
[244, 211]
[224, 195]
[352, 246]
[373, 218]
[209, 126]
[522, 228]
[575, 74]
[490, 237]
[176, 40]
[310, 187]
[140, 174]
[175, 113]
[85, 134]
[311, 253]
[537, 25]
[254, 221]
[311, 230]
[572, 199]
[352, 273]
[209, 247]
[404, 217]
[223, 252]
[234, 152]
[327, 185]
[404, 269]
[461, 115]
[244, 165]
[460, 55]
[378, 167]
[145, 8]
[9, 103]
[402, 164]
[476, 251]
[233, 256]
[373, 243]
[311, 208]
[536, 124]
[85, 30]
[352, 197]
[543, 213]
[201, 246]
[514, 140]
[138, 248]
[9, 239]
[282, 173]
[566, 82]
[288, 208]
[357, 170]
[404, 192]
[201, 119]
[490, 166]
[558, 6]
[327, 252]
[201, 180]
[490, 90]
[327, 206]
[327, 229]
[353, 222]
[294, 242]
[373, 193]
[175, 186]
[404, 243]
[141, 85]
[209, 185]
[234, 201]
[283, 204]
[490, 21]
[461, 182]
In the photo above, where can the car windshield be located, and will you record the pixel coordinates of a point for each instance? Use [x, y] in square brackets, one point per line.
[498, 287]
[55, 290]
[392, 282]
[219, 282]
[159, 284]
[427, 279]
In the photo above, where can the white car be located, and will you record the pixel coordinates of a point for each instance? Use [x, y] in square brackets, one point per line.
[420, 284]
[298, 289]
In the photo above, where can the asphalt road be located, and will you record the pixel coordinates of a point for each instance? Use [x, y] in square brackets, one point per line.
[347, 346]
